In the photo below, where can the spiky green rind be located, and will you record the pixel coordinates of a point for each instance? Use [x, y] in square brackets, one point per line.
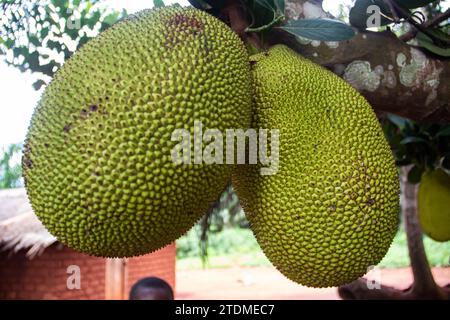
[332, 209]
[97, 160]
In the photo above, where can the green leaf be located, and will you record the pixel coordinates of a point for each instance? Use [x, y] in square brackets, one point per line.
[48, 68]
[59, 4]
[34, 40]
[200, 4]
[82, 41]
[44, 32]
[444, 132]
[281, 6]
[398, 121]
[426, 42]
[38, 84]
[33, 61]
[440, 35]
[412, 4]
[9, 43]
[267, 4]
[408, 140]
[92, 21]
[158, 3]
[111, 18]
[414, 174]
[18, 51]
[359, 15]
[72, 33]
[319, 29]
[54, 45]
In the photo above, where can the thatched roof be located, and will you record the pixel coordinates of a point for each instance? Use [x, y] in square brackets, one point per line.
[20, 229]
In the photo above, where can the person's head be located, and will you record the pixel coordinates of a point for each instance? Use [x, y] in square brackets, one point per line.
[151, 288]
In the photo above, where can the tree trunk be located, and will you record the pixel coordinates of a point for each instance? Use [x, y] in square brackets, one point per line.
[424, 285]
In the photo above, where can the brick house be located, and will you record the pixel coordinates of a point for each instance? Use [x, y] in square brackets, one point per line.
[34, 265]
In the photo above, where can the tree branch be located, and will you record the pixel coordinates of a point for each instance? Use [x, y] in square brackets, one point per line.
[407, 16]
[430, 23]
[392, 75]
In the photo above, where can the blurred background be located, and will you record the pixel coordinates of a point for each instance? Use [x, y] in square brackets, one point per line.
[218, 258]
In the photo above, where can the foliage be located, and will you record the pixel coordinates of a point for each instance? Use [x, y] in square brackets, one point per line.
[40, 35]
[10, 170]
[319, 29]
[224, 212]
[158, 3]
[267, 14]
[425, 146]
[426, 42]
[229, 240]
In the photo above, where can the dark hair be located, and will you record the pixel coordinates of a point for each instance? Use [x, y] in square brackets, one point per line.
[154, 287]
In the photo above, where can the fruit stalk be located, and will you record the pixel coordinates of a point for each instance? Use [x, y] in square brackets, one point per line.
[234, 10]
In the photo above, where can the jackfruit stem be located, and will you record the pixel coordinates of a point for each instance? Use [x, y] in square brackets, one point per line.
[239, 24]
[275, 20]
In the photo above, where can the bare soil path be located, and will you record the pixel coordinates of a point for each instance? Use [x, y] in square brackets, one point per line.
[267, 283]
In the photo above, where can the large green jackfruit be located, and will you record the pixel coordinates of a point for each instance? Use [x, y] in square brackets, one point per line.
[434, 204]
[331, 210]
[98, 163]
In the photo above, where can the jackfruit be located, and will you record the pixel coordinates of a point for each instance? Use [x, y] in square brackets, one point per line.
[332, 209]
[98, 162]
[433, 201]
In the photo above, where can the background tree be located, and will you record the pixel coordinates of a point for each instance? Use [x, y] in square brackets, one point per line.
[40, 35]
[10, 170]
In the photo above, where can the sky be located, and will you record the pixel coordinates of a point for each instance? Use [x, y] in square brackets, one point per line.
[18, 98]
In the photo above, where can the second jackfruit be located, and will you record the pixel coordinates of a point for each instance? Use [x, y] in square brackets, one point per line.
[331, 210]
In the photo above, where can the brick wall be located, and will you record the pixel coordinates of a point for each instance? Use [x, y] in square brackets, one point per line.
[159, 264]
[45, 276]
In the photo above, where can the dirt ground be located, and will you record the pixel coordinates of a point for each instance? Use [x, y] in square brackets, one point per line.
[268, 283]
